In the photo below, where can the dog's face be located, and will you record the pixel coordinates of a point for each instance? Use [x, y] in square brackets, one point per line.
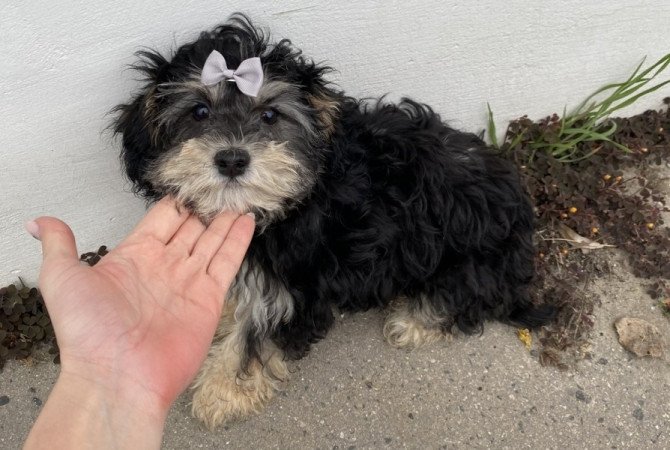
[215, 148]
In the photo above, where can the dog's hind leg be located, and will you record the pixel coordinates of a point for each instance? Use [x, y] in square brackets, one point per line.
[412, 323]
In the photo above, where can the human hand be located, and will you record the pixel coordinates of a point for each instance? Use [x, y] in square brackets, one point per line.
[139, 323]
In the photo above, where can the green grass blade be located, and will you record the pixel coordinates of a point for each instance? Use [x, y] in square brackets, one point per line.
[613, 85]
[517, 140]
[560, 131]
[634, 98]
[588, 132]
[634, 82]
[492, 128]
[585, 124]
[607, 87]
[662, 63]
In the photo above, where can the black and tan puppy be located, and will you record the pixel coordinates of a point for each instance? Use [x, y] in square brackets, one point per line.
[359, 205]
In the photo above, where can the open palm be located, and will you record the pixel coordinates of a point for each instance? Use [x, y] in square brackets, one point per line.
[148, 310]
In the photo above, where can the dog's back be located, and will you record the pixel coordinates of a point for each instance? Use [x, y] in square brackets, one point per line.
[411, 211]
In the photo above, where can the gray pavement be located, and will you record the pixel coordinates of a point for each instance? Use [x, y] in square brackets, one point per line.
[354, 391]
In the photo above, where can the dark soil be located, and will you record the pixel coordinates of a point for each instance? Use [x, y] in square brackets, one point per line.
[613, 198]
[24, 320]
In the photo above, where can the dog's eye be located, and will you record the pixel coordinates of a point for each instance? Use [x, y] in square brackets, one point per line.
[200, 112]
[269, 116]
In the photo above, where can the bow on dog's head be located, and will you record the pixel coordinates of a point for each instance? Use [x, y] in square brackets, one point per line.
[248, 76]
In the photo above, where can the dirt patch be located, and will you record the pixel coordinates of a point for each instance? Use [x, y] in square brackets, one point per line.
[612, 198]
[24, 320]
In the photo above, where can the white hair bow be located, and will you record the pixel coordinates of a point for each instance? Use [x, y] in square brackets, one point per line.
[248, 76]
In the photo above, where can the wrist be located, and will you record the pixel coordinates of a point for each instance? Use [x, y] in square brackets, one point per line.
[84, 408]
[109, 377]
[120, 393]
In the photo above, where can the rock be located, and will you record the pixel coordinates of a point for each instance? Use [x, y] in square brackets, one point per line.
[639, 337]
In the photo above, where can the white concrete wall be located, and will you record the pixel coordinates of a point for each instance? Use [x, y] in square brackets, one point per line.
[63, 67]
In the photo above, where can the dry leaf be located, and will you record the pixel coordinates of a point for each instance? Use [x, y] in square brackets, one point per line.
[665, 304]
[578, 241]
[524, 336]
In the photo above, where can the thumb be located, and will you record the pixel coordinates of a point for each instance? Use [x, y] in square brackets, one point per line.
[57, 238]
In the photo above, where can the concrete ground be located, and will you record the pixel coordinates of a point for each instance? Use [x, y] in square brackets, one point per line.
[354, 391]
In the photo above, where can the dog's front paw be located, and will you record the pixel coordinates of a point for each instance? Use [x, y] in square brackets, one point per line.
[218, 399]
[223, 393]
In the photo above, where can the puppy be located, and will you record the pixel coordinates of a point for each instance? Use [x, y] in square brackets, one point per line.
[359, 205]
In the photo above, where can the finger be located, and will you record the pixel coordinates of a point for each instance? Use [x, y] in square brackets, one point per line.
[187, 235]
[57, 238]
[211, 240]
[228, 258]
[162, 221]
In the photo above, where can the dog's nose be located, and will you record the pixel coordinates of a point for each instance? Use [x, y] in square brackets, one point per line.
[232, 162]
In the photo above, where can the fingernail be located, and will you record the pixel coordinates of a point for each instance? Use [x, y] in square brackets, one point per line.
[252, 215]
[33, 229]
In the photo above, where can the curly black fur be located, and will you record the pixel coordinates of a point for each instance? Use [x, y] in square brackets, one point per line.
[406, 207]
[403, 206]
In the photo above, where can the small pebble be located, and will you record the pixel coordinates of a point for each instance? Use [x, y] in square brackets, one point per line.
[4, 400]
[582, 397]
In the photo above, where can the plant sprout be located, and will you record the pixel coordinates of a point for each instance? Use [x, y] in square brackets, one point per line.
[579, 134]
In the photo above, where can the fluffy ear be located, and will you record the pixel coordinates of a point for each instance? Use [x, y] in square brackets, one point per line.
[134, 122]
[133, 126]
[288, 63]
[327, 109]
[325, 101]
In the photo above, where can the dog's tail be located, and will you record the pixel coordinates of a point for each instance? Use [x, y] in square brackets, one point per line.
[533, 316]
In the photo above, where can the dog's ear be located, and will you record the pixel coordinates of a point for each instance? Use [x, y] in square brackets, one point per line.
[134, 127]
[324, 100]
[288, 63]
[135, 121]
[327, 109]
